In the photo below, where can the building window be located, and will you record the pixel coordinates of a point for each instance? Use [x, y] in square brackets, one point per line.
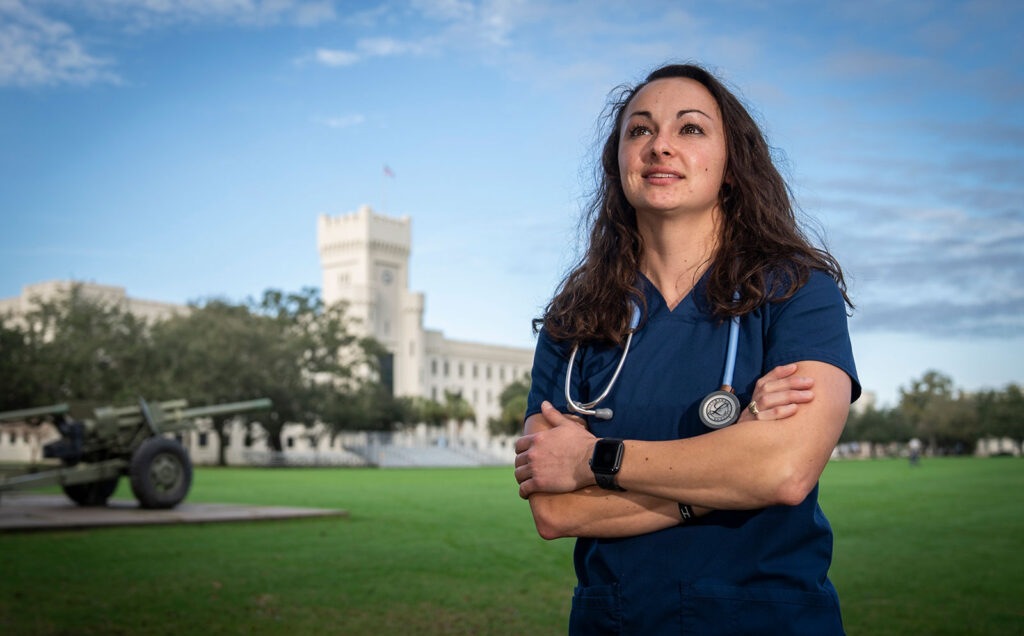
[446, 368]
[433, 366]
[501, 373]
[462, 369]
[291, 442]
[387, 328]
[490, 397]
[476, 396]
[203, 440]
[433, 393]
[488, 372]
[474, 371]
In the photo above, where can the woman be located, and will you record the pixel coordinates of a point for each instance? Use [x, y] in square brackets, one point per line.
[692, 529]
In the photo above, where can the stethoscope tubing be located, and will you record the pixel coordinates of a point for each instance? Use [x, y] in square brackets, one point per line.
[587, 408]
[730, 354]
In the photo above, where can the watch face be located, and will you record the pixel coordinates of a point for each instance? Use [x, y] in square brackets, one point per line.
[607, 455]
[719, 409]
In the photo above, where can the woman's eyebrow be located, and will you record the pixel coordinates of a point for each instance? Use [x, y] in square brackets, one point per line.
[647, 113]
[691, 110]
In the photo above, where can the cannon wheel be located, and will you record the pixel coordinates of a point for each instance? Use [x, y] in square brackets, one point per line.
[92, 494]
[161, 473]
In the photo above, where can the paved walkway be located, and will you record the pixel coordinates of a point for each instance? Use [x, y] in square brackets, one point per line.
[20, 512]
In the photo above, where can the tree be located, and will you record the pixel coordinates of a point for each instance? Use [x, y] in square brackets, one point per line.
[428, 411]
[18, 369]
[920, 402]
[1001, 413]
[947, 418]
[877, 426]
[76, 349]
[457, 408]
[287, 347]
[513, 401]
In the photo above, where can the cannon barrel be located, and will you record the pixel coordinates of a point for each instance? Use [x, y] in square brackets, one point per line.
[225, 409]
[133, 410]
[39, 411]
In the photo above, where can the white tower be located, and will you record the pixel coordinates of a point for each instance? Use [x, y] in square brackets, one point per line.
[365, 262]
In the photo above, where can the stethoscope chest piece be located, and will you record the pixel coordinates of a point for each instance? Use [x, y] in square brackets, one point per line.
[719, 409]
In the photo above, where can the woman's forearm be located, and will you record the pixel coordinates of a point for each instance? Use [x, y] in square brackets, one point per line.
[592, 512]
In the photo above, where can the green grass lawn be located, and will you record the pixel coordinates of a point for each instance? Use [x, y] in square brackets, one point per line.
[937, 549]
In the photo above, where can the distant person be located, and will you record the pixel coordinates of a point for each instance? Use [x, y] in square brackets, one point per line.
[915, 451]
[686, 521]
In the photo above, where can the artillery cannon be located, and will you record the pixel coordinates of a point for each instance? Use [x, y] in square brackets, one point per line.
[120, 441]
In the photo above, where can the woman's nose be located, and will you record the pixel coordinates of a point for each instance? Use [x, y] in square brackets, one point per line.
[660, 146]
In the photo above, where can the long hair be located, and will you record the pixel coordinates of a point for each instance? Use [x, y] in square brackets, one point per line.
[761, 252]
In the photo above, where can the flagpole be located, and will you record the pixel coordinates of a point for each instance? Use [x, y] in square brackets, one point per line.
[385, 173]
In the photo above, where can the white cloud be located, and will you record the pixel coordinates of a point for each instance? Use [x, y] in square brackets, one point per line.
[367, 48]
[444, 9]
[383, 47]
[485, 26]
[146, 14]
[39, 51]
[343, 121]
[334, 57]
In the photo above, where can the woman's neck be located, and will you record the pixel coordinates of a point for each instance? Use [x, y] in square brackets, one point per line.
[677, 250]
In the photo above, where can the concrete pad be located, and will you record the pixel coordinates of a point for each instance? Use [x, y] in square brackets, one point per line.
[24, 512]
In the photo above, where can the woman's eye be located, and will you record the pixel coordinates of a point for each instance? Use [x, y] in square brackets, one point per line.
[692, 129]
[638, 130]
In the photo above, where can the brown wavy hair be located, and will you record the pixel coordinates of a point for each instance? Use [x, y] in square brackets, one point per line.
[762, 253]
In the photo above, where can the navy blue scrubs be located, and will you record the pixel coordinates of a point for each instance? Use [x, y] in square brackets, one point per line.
[730, 572]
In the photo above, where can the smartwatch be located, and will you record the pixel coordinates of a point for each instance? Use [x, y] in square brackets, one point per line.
[606, 462]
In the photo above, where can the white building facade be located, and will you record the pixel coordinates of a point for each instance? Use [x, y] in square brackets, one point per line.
[110, 295]
[365, 261]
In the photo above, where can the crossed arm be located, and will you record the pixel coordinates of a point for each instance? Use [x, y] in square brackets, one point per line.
[773, 458]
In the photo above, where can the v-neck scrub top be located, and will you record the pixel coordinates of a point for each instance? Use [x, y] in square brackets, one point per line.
[758, 571]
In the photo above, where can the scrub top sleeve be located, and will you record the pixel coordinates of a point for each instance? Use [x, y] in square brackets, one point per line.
[547, 379]
[811, 325]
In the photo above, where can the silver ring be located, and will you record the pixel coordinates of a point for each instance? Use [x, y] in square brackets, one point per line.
[752, 407]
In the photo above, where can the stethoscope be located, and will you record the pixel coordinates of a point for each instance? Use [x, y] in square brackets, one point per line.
[718, 409]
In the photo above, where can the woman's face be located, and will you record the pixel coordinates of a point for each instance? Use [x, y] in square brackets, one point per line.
[672, 152]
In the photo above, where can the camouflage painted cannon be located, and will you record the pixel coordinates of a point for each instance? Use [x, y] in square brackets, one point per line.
[119, 441]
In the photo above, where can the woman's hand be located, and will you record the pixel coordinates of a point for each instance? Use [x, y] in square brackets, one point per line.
[556, 460]
[778, 394]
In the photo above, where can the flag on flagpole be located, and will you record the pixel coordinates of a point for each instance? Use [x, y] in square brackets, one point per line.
[387, 172]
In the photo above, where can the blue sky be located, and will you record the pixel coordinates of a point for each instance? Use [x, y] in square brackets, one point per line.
[183, 149]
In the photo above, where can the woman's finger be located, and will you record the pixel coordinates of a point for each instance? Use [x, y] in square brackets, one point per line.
[778, 373]
[797, 382]
[777, 413]
[523, 473]
[779, 398]
[524, 443]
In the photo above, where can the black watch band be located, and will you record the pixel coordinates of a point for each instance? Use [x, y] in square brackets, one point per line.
[606, 481]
